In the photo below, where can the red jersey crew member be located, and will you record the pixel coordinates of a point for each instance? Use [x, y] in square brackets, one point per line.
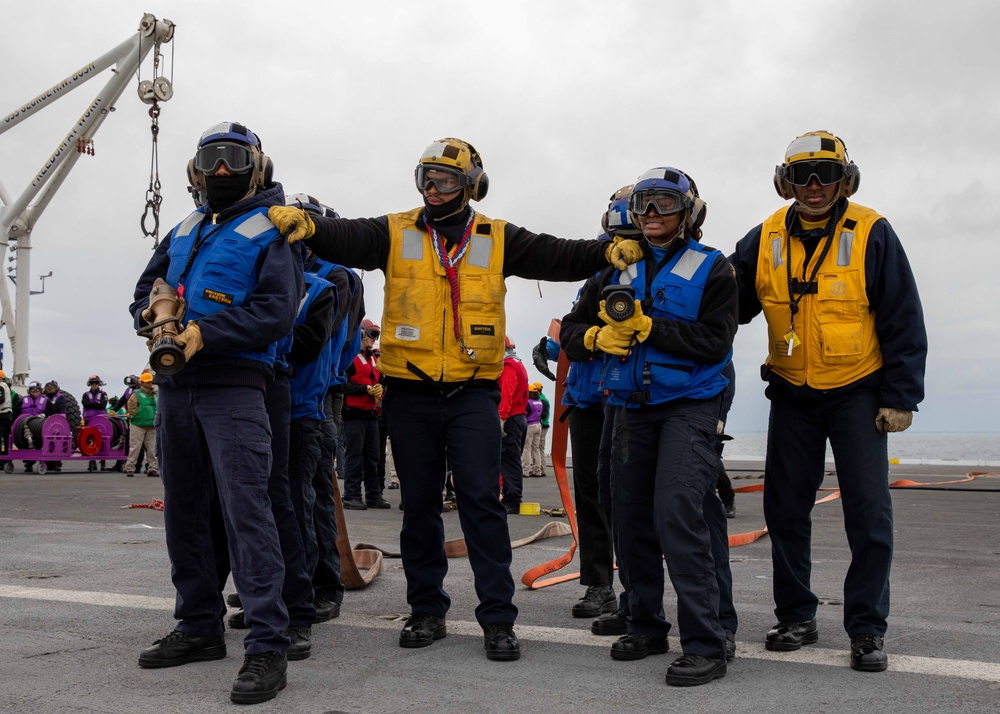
[442, 352]
[361, 395]
[846, 355]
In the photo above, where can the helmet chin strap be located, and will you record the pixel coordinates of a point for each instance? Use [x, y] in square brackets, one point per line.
[816, 212]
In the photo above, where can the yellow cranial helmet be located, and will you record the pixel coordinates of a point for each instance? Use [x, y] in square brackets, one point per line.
[818, 154]
[461, 164]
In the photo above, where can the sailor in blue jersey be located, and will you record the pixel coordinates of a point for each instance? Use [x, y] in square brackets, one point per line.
[663, 370]
[241, 286]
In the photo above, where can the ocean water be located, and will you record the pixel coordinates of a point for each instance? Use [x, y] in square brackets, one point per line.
[979, 448]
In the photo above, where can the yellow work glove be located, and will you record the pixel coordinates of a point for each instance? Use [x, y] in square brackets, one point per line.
[190, 340]
[292, 222]
[889, 419]
[376, 391]
[622, 253]
[607, 340]
[639, 324]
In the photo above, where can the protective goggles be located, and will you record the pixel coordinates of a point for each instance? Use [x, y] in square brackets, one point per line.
[372, 334]
[663, 202]
[238, 158]
[445, 180]
[826, 172]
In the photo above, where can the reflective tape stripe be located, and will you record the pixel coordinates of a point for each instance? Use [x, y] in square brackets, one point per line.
[413, 245]
[844, 247]
[255, 225]
[188, 224]
[777, 257]
[479, 251]
[688, 264]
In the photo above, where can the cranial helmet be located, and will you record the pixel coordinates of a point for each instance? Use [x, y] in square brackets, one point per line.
[669, 181]
[146, 377]
[461, 160]
[508, 343]
[35, 385]
[370, 329]
[235, 146]
[818, 154]
[94, 379]
[616, 221]
[132, 381]
[308, 203]
[54, 384]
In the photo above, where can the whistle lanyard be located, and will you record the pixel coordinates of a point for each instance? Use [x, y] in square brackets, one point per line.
[794, 298]
[449, 263]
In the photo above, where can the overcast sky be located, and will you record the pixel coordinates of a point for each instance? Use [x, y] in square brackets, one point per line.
[566, 102]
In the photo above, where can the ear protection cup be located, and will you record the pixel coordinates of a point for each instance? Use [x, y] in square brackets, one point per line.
[480, 186]
[195, 178]
[263, 172]
[480, 181]
[697, 213]
[852, 180]
[782, 186]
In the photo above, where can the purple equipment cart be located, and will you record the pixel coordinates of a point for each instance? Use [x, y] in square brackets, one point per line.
[41, 439]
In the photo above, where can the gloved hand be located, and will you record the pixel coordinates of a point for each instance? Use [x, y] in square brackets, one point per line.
[292, 221]
[720, 427]
[539, 358]
[190, 340]
[607, 340]
[890, 420]
[376, 391]
[622, 253]
[147, 316]
[503, 427]
[640, 324]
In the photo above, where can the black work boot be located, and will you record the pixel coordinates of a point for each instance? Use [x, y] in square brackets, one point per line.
[261, 677]
[237, 621]
[325, 609]
[177, 648]
[301, 646]
[790, 636]
[868, 653]
[637, 646]
[691, 670]
[611, 623]
[502, 644]
[598, 599]
[421, 629]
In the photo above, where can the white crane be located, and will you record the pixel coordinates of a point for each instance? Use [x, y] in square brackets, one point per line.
[18, 216]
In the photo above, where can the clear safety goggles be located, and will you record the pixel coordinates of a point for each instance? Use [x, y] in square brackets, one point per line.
[826, 172]
[445, 180]
[663, 202]
[238, 158]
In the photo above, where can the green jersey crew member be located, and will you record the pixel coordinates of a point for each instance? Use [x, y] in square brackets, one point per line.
[442, 349]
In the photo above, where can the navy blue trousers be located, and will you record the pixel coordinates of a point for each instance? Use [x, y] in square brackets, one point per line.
[801, 421]
[668, 468]
[220, 431]
[423, 427]
[712, 510]
[297, 589]
[303, 460]
[515, 430]
[326, 578]
[362, 444]
[596, 551]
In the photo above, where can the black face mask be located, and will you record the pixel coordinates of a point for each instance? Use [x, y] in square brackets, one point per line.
[224, 191]
[454, 206]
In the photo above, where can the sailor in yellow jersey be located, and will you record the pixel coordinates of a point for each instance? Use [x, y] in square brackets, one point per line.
[442, 349]
[846, 354]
